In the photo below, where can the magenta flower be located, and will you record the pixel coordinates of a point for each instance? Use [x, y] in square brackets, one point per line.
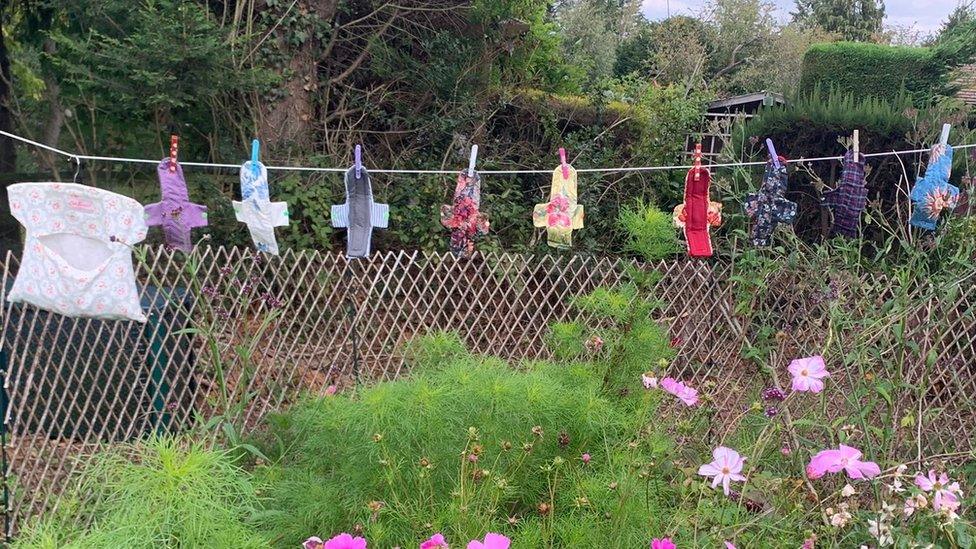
[684, 393]
[435, 541]
[492, 541]
[844, 457]
[947, 493]
[585, 458]
[313, 542]
[345, 541]
[808, 374]
[728, 545]
[725, 467]
[663, 543]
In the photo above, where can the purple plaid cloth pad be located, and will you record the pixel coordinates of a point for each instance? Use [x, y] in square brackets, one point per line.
[849, 199]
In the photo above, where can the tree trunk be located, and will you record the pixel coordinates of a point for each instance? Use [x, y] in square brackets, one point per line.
[8, 152]
[291, 119]
[52, 131]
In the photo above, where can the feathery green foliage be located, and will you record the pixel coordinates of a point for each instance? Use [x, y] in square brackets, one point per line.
[650, 232]
[396, 458]
[163, 492]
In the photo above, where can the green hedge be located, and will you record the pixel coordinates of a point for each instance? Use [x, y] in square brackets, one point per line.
[873, 70]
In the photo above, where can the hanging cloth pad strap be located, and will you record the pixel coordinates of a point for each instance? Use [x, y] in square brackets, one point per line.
[175, 213]
[932, 194]
[698, 214]
[562, 214]
[849, 199]
[463, 217]
[257, 211]
[359, 215]
[768, 207]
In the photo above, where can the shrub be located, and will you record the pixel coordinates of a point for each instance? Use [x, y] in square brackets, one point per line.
[396, 459]
[634, 343]
[435, 349]
[163, 492]
[872, 70]
[565, 340]
[650, 232]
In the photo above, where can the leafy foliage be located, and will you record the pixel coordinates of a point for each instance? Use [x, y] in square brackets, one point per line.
[872, 70]
[858, 20]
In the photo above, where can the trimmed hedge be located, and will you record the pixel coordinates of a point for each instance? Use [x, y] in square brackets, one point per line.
[872, 70]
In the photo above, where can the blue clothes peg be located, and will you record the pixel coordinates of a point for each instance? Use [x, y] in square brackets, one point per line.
[255, 149]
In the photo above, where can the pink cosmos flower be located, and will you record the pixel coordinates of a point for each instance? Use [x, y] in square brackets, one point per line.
[728, 545]
[345, 541]
[807, 374]
[313, 542]
[947, 493]
[844, 457]
[663, 543]
[435, 541]
[492, 541]
[684, 393]
[726, 467]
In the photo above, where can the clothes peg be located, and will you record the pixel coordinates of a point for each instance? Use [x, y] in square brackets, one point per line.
[255, 149]
[857, 146]
[174, 148]
[772, 153]
[472, 160]
[944, 138]
[79, 171]
[359, 161]
[562, 162]
[697, 168]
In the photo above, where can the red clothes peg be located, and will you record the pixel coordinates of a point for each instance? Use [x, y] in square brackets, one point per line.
[562, 162]
[174, 148]
[697, 166]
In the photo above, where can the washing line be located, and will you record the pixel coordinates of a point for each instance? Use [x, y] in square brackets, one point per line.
[79, 157]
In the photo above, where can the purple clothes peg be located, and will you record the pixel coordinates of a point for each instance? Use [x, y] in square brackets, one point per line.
[175, 212]
[772, 152]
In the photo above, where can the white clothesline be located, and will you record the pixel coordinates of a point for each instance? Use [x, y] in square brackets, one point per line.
[79, 157]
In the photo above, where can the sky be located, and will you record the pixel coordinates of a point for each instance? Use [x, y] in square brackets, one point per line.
[902, 13]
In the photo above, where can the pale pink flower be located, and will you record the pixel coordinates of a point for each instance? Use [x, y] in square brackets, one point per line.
[649, 381]
[843, 458]
[946, 493]
[684, 393]
[808, 374]
[492, 541]
[663, 543]
[585, 458]
[345, 541]
[313, 542]
[331, 390]
[726, 467]
[728, 545]
[435, 541]
[914, 503]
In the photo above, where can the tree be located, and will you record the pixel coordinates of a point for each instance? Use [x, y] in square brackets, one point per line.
[959, 23]
[592, 30]
[855, 20]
